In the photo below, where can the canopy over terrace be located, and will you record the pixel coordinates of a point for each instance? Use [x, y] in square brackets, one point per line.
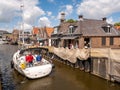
[68, 37]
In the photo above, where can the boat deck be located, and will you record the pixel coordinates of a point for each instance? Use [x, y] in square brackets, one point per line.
[35, 63]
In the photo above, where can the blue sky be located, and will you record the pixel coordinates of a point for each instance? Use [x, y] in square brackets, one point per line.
[47, 12]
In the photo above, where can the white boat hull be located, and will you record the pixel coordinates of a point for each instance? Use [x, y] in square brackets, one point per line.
[2, 42]
[36, 71]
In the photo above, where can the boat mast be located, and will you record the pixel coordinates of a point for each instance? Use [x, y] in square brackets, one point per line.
[22, 24]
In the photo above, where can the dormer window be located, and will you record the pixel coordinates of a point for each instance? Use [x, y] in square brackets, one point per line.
[71, 29]
[55, 30]
[107, 29]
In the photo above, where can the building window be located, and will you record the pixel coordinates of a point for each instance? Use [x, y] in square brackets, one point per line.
[107, 29]
[87, 42]
[71, 29]
[111, 40]
[103, 40]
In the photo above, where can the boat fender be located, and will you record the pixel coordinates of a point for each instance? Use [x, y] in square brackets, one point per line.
[53, 66]
[22, 65]
[12, 64]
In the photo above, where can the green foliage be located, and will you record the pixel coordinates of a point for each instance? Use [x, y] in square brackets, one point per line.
[117, 24]
[70, 21]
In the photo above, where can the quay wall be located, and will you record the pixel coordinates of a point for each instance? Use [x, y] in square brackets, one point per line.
[100, 67]
[102, 62]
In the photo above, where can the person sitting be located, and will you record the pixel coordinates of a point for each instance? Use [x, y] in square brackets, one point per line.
[38, 58]
[29, 59]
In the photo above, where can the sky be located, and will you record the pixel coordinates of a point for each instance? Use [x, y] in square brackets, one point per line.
[40, 13]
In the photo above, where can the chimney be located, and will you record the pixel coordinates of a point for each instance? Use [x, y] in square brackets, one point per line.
[62, 18]
[80, 17]
[104, 19]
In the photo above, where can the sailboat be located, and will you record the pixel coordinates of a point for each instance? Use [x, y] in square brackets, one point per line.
[38, 70]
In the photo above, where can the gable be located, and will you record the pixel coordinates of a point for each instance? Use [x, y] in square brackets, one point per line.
[49, 31]
[35, 30]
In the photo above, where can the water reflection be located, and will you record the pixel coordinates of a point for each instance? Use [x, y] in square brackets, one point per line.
[6, 53]
[79, 80]
[25, 84]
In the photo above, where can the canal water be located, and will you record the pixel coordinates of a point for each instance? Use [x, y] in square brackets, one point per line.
[63, 77]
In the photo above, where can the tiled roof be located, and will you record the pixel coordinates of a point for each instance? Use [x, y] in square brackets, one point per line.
[65, 25]
[49, 31]
[117, 27]
[43, 32]
[88, 27]
[35, 30]
[94, 28]
[15, 31]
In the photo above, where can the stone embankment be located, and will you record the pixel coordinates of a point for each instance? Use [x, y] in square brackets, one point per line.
[102, 62]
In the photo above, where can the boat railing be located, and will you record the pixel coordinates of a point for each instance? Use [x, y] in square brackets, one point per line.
[23, 64]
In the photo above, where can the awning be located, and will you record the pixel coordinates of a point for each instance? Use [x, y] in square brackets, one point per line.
[54, 38]
[72, 37]
[41, 39]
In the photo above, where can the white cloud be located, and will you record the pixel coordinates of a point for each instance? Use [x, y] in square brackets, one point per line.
[67, 9]
[53, 17]
[49, 13]
[59, 15]
[98, 8]
[32, 11]
[110, 20]
[74, 2]
[9, 9]
[27, 27]
[31, 14]
[44, 21]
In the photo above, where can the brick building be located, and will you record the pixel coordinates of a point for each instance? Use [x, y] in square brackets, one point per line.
[42, 35]
[86, 33]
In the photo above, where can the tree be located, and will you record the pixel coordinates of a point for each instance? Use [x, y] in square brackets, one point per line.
[117, 24]
[70, 21]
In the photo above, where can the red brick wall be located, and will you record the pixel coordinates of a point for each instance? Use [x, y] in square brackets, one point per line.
[81, 42]
[96, 42]
[116, 42]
